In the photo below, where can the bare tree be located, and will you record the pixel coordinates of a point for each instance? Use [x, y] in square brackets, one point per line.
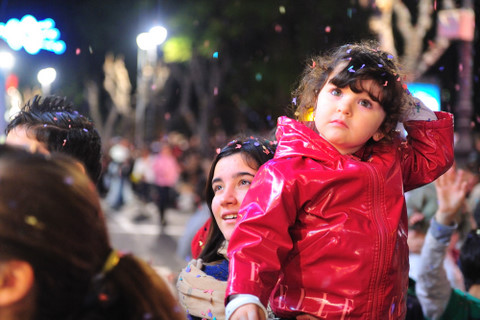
[415, 58]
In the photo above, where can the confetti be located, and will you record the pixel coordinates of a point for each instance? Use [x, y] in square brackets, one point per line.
[328, 29]
[68, 180]
[294, 101]
[281, 9]
[215, 91]
[215, 55]
[313, 64]
[218, 150]
[78, 51]
[64, 142]
[103, 297]
[385, 84]
[390, 57]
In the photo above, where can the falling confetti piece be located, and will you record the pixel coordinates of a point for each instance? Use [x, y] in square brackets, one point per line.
[278, 28]
[215, 91]
[68, 180]
[294, 101]
[281, 9]
[215, 55]
[385, 84]
[218, 151]
[258, 76]
[328, 29]
[78, 51]
[103, 297]
[64, 142]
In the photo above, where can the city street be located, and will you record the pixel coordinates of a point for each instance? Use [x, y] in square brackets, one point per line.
[144, 237]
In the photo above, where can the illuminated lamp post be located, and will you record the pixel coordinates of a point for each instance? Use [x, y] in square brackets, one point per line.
[46, 77]
[7, 61]
[146, 62]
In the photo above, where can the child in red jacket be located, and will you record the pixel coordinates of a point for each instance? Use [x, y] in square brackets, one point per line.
[322, 232]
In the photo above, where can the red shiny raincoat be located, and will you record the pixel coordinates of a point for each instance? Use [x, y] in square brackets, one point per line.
[332, 228]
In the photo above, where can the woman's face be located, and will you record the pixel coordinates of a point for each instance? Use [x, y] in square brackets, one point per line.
[231, 180]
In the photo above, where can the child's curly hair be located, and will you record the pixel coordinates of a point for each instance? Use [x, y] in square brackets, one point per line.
[363, 61]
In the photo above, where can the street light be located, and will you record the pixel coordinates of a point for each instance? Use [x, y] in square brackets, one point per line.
[46, 77]
[7, 60]
[146, 62]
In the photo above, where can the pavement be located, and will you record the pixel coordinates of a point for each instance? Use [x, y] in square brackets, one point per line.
[135, 228]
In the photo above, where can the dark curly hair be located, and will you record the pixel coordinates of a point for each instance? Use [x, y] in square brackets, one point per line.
[53, 122]
[360, 61]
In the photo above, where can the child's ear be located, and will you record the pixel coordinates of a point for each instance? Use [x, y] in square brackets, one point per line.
[377, 136]
[16, 281]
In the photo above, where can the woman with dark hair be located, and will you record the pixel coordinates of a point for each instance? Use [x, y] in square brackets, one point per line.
[202, 283]
[56, 261]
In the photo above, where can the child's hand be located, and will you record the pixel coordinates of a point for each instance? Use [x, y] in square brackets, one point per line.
[451, 191]
[417, 110]
[248, 312]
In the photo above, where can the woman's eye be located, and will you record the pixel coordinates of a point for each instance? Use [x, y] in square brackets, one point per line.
[245, 182]
[216, 188]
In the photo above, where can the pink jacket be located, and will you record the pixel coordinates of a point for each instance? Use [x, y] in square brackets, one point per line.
[326, 234]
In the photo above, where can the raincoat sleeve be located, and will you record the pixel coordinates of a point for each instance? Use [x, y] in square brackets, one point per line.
[428, 151]
[261, 239]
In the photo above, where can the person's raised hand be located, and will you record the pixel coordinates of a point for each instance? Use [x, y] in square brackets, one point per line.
[451, 191]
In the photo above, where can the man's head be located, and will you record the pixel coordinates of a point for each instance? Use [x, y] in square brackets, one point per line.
[52, 125]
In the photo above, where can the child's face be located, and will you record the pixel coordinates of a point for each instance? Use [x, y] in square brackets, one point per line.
[347, 119]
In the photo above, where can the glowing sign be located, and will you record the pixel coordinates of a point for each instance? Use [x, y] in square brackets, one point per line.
[32, 35]
[427, 92]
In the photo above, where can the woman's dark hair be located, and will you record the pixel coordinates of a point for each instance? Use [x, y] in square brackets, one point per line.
[54, 122]
[470, 258]
[50, 217]
[255, 152]
[361, 61]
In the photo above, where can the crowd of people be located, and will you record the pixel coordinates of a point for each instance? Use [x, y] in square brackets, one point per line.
[322, 221]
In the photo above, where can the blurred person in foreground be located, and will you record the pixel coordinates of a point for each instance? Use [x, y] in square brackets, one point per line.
[56, 261]
[52, 124]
